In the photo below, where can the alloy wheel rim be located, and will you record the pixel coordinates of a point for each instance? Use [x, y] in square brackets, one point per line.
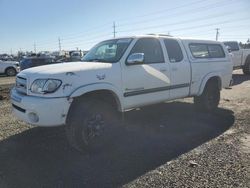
[95, 126]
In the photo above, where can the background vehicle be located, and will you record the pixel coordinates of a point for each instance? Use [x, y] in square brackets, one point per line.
[240, 57]
[9, 68]
[36, 61]
[118, 75]
[75, 55]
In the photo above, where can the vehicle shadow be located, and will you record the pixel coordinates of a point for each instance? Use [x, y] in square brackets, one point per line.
[240, 78]
[41, 157]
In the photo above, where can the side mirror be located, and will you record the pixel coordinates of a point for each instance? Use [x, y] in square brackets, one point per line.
[229, 49]
[135, 59]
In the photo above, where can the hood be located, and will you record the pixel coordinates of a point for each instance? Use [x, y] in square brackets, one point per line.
[67, 67]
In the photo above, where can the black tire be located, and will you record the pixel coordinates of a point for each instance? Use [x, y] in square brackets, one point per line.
[246, 67]
[210, 98]
[90, 124]
[10, 71]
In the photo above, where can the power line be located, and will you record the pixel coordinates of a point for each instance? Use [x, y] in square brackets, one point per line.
[192, 11]
[178, 23]
[100, 27]
[163, 10]
[67, 37]
[68, 40]
[89, 39]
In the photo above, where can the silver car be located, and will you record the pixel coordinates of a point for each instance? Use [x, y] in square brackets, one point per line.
[9, 68]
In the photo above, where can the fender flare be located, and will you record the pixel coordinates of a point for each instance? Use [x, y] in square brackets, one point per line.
[206, 78]
[97, 87]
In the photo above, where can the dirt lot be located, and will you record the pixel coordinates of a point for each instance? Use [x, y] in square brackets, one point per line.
[166, 145]
[6, 80]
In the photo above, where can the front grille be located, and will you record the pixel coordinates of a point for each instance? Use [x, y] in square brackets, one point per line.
[21, 85]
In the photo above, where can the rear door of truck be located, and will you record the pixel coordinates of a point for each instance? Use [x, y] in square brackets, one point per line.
[236, 53]
[180, 68]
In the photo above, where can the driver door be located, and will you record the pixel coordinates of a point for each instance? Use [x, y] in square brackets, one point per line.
[147, 82]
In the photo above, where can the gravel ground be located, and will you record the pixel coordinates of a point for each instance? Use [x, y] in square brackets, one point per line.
[6, 80]
[155, 148]
[222, 162]
[5, 84]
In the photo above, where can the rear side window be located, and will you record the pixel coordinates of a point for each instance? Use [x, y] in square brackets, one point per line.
[199, 50]
[233, 45]
[207, 50]
[174, 50]
[215, 51]
[151, 48]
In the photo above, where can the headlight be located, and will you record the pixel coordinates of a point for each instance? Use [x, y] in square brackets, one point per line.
[43, 86]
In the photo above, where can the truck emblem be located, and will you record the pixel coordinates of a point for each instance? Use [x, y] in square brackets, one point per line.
[101, 77]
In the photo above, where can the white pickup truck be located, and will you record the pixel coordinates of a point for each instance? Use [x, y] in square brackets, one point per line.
[240, 57]
[9, 68]
[121, 74]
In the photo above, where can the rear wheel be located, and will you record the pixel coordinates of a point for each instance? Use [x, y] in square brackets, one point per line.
[10, 71]
[246, 67]
[209, 100]
[91, 123]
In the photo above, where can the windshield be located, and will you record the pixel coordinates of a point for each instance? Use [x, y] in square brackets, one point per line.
[233, 45]
[108, 51]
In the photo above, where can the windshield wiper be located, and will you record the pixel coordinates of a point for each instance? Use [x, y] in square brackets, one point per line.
[97, 60]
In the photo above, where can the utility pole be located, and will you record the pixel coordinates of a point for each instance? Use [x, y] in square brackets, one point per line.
[114, 29]
[59, 44]
[217, 34]
[35, 47]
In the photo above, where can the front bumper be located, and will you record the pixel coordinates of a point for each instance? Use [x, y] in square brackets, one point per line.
[40, 111]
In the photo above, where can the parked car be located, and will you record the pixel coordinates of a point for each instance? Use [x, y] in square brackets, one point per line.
[75, 55]
[9, 68]
[120, 74]
[240, 57]
[36, 61]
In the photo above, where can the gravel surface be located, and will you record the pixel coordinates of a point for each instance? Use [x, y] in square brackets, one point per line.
[6, 80]
[5, 84]
[166, 145]
[221, 162]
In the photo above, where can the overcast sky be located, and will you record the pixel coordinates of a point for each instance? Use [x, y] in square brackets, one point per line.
[82, 24]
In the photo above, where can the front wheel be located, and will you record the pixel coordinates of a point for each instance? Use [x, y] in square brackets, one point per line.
[10, 72]
[209, 100]
[90, 124]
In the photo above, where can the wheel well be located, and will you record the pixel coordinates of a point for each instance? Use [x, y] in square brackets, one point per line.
[104, 95]
[215, 80]
[9, 68]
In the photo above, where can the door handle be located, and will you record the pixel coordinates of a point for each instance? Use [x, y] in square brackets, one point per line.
[163, 70]
[174, 69]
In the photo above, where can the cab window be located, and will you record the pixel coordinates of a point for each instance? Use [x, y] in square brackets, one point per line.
[151, 48]
[174, 50]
